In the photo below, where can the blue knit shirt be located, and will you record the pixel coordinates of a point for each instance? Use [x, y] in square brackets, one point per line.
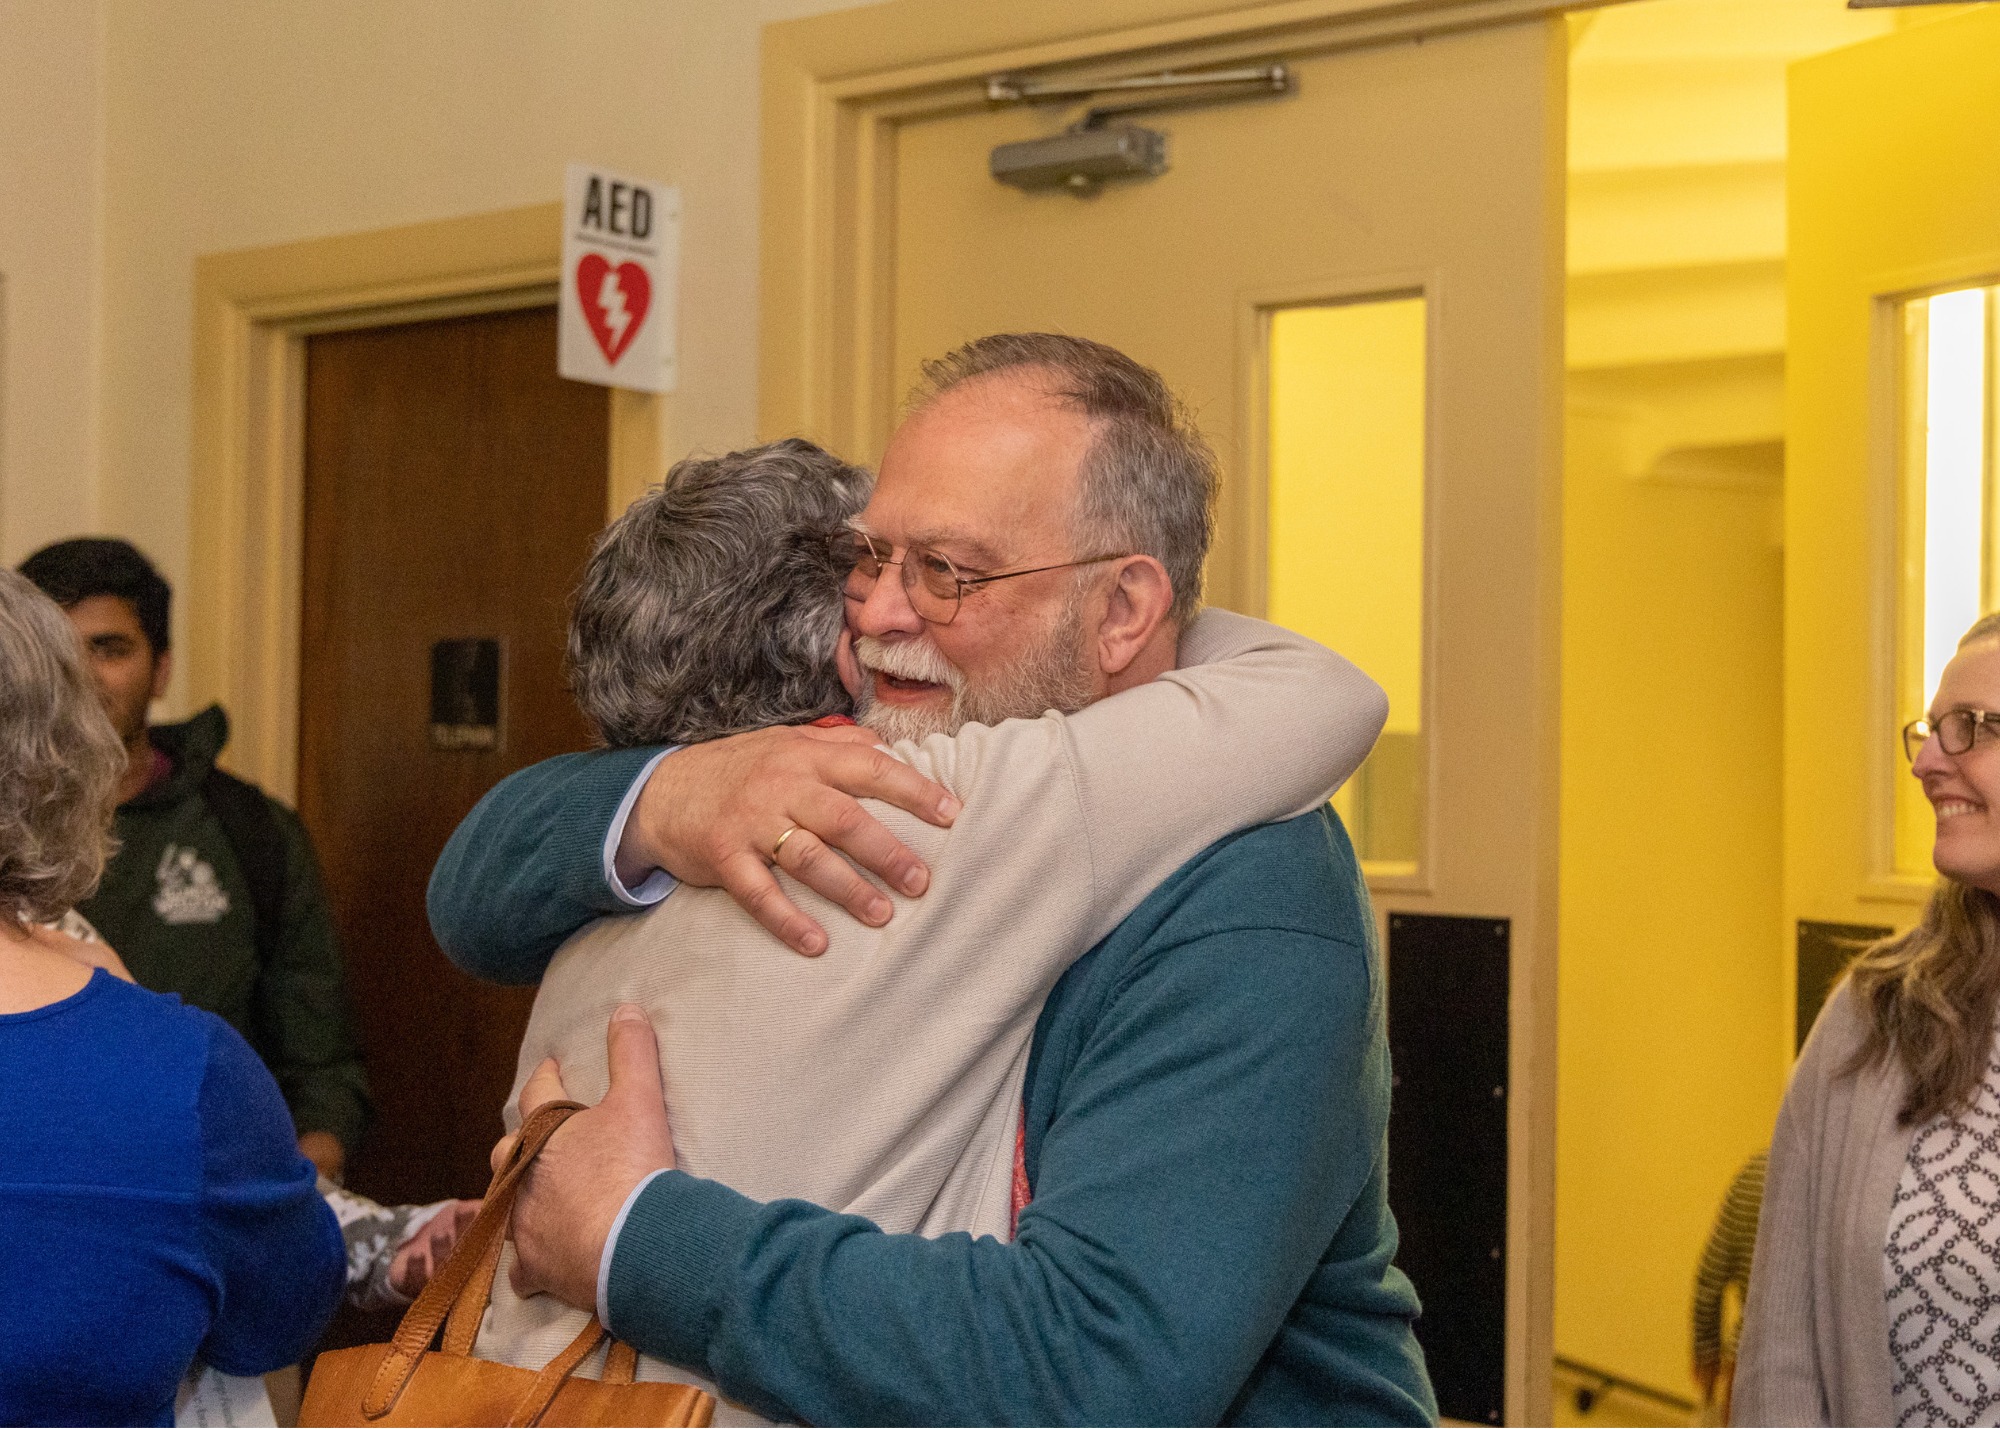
[154, 1208]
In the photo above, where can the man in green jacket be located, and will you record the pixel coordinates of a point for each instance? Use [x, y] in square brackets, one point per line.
[214, 892]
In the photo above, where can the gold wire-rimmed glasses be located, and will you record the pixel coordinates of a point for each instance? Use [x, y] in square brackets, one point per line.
[1955, 731]
[933, 584]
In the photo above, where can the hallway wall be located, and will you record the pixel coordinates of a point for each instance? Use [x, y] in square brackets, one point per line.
[51, 62]
[1671, 986]
[1671, 1000]
[237, 123]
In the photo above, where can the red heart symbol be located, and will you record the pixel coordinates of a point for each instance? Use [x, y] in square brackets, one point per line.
[614, 301]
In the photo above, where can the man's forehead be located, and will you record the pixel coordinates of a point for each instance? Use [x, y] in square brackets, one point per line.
[960, 542]
[980, 471]
[106, 613]
[980, 533]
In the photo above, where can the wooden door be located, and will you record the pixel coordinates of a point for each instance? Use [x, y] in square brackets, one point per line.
[1415, 188]
[453, 484]
[1894, 180]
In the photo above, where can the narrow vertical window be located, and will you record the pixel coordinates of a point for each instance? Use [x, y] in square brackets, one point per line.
[1346, 444]
[1954, 476]
[1950, 577]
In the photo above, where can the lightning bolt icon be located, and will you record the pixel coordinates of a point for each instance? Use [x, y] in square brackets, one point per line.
[611, 301]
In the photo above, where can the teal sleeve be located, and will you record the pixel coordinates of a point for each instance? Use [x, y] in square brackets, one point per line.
[304, 1019]
[526, 867]
[1219, 1128]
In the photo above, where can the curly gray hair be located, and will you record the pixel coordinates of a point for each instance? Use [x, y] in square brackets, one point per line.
[59, 760]
[712, 606]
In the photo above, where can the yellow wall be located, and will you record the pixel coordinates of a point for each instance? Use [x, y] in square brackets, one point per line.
[226, 124]
[1672, 1001]
[1347, 487]
[1888, 197]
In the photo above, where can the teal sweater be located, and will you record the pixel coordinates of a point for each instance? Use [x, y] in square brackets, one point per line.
[1207, 1105]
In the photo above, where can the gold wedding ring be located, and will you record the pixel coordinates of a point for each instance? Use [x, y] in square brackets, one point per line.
[779, 847]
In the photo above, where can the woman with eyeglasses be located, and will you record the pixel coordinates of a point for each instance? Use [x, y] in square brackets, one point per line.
[1875, 1285]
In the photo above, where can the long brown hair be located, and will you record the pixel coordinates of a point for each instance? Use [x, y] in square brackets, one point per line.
[1931, 994]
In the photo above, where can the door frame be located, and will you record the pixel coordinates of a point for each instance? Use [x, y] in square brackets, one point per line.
[835, 87]
[254, 310]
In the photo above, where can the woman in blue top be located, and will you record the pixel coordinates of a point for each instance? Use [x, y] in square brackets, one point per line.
[154, 1207]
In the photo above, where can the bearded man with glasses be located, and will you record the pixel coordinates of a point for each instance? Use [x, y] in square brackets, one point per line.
[1206, 1236]
[1047, 674]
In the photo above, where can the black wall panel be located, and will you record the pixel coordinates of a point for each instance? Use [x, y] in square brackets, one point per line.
[1448, 980]
[1825, 950]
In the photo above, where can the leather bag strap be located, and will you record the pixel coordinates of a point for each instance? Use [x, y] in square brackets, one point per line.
[462, 1328]
[621, 1364]
[535, 1403]
[456, 1277]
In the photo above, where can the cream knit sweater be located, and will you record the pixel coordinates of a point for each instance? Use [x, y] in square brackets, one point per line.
[884, 1078]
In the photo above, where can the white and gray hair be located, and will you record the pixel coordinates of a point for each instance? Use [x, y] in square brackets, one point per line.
[712, 606]
[60, 760]
[1149, 480]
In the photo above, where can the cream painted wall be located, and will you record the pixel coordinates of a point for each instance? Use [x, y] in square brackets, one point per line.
[237, 123]
[50, 152]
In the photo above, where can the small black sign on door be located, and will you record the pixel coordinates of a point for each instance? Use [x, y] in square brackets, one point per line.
[465, 694]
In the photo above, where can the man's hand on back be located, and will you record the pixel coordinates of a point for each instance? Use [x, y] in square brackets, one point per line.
[571, 1195]
[712, 815]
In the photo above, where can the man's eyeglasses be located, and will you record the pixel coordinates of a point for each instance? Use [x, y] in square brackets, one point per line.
[1955, 731]
[932, 582]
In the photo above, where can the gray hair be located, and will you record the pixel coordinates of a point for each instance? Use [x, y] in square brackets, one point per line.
[1149, 480]
[60, 760]
[712, 606]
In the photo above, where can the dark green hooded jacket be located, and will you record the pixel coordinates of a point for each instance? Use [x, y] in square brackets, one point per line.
[177, 905]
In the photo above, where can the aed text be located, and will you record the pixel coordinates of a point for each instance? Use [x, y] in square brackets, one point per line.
[618, 208]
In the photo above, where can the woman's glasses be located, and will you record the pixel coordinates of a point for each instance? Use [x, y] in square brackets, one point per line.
[932, 582]
[1955, 731]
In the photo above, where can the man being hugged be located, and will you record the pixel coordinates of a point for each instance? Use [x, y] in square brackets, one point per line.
[1207, 1099]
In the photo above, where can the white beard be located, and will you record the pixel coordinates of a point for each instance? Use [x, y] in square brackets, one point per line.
[1050, 675]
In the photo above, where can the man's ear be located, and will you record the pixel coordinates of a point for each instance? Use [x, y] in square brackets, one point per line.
[1135, 613]
[163, 671]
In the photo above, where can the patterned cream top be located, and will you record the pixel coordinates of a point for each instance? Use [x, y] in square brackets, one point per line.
[1941, 1268]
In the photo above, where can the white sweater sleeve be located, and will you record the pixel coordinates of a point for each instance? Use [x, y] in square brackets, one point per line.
[1257, 724]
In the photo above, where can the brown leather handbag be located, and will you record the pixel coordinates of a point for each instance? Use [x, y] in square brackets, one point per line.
[408, 1382]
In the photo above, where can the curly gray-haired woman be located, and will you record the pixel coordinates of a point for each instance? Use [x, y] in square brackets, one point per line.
[154, 1206]
[62, 760]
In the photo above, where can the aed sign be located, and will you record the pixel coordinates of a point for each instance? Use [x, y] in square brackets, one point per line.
[621, 280]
